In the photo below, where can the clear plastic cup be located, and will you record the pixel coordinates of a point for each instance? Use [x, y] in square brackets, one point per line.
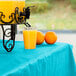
[30, 36]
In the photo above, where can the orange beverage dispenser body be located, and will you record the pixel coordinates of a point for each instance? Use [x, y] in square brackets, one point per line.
[8, 6]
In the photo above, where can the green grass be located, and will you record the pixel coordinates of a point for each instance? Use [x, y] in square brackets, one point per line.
[73, 3]
[39, 6]
[35, 0]
[60, 17]
[46, 21]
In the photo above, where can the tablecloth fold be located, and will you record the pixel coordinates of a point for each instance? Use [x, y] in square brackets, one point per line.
[45, 60]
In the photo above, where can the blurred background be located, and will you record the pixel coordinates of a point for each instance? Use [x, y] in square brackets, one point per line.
[54, 15]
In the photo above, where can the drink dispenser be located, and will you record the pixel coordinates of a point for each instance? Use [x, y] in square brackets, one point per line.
[12, 12]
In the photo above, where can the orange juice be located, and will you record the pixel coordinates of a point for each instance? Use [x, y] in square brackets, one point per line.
[8, 7]
[30, 39]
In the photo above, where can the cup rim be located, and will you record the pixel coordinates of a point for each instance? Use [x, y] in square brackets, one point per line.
[30, 28]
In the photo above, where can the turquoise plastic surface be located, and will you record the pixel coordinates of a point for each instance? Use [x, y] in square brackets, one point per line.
[45, 60]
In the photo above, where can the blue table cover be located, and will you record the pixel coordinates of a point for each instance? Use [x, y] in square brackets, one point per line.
[75, 70]
[45, 60]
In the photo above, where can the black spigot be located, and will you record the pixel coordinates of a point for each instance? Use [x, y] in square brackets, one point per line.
[24, 15]
[26, 12]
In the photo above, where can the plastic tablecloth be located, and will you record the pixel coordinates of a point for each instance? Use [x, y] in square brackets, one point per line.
[75, 70]
[45, 60]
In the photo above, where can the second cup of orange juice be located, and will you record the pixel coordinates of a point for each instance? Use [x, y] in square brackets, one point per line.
[30, 36]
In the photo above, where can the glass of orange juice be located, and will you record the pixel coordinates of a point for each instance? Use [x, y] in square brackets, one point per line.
[30, 36]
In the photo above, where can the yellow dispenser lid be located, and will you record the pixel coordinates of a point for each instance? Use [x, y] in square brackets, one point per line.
[8, 6]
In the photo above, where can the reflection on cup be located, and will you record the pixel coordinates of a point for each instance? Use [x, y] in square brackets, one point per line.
[30, 36]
